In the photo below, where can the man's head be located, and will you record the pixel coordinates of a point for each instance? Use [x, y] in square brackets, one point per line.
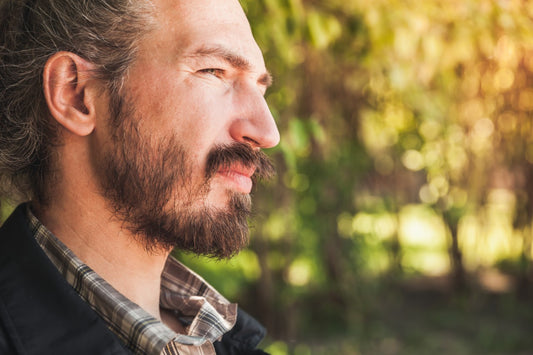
[172, 131]
[104, 32]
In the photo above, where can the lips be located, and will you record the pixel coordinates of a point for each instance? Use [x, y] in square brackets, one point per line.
[238, 177]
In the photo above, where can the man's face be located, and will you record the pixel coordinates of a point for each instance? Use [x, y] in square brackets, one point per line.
[179, 157]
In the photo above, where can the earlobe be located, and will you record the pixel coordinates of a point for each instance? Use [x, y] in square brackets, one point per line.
[69, 92]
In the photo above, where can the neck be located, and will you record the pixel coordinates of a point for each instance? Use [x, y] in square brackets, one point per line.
[88, 228]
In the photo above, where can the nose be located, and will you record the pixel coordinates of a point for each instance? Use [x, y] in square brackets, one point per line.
[254, 123]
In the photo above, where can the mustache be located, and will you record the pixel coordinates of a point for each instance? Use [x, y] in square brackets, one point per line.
[223, 156]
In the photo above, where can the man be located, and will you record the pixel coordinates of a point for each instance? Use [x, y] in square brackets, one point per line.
[133, 127]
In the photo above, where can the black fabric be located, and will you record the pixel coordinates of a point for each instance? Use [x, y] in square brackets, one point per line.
[40, 313]
[243, 338]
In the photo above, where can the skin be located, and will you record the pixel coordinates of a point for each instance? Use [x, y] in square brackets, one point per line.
[199, 76]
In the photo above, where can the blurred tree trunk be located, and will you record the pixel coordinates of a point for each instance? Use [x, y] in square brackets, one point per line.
[264, 287]
[454, 252]
[526, 271]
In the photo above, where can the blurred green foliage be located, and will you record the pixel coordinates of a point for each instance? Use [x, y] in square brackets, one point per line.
[406, 152]
[404, 181]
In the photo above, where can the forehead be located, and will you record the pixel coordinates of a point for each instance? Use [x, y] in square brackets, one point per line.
[188, 25]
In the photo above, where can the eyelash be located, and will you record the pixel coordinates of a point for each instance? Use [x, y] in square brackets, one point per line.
[213, 71]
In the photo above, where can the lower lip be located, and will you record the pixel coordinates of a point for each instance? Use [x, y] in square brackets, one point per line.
[238, 182]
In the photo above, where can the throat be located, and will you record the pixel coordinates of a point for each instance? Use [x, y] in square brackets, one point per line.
[171, 320]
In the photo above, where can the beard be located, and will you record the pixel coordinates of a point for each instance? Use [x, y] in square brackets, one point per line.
[149, 184]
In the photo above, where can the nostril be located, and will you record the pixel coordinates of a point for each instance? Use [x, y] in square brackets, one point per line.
[251, 141]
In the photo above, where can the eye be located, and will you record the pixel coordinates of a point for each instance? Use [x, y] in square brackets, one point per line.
[213, 71]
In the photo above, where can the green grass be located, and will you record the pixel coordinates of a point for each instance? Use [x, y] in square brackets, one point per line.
[400, 322]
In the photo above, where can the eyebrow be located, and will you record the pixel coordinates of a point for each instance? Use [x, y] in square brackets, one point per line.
[235, 60]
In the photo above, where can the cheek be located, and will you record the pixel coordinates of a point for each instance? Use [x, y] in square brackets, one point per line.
[196, 113]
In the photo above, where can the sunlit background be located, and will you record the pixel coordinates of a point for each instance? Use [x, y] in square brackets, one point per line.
[400, 218]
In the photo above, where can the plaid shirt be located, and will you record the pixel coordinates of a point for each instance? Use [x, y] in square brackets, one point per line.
[206, 314]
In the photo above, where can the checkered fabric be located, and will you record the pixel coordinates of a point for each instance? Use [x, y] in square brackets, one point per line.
[205, 313]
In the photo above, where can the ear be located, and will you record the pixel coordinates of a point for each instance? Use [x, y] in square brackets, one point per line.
[71, 92]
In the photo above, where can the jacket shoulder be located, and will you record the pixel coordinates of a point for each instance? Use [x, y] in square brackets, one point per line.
[40, 313]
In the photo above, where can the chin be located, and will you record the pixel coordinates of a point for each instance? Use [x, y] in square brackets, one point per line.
[224, 200]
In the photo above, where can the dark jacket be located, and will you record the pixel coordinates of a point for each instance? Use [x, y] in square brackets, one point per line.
[40, 313]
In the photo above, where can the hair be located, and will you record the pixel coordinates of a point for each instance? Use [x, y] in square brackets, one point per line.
[104, 32]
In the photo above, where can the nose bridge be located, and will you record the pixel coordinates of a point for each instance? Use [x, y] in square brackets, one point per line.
[254, 124]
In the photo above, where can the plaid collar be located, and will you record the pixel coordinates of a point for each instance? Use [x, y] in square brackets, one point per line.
[206, 314]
